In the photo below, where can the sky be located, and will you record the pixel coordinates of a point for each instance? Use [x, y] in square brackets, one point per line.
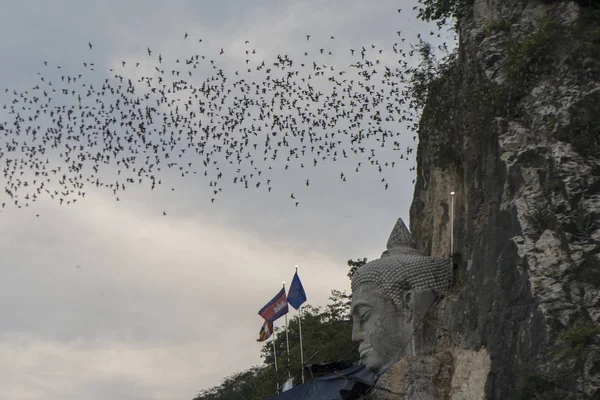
[114, 299]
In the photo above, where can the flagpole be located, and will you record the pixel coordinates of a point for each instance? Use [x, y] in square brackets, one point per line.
[275, 357]
[300, 331]
[301, 351]
[287, 338]
[451, 236]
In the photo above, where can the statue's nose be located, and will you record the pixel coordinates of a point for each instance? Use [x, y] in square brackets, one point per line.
[357, 331]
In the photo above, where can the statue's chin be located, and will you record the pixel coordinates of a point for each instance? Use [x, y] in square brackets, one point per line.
[371, 362]
[374, 364]
[372, 368]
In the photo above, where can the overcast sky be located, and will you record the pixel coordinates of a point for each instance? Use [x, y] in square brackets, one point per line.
[114, 300]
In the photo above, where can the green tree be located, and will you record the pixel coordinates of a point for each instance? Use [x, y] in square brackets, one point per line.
[326, 334]
[241, 385]
[354, 265]
[441, 11]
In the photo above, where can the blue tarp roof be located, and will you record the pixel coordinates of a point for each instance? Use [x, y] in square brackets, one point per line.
[345, 384]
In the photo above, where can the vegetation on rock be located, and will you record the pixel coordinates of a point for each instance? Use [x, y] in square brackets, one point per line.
[578, 341]
[441, 11]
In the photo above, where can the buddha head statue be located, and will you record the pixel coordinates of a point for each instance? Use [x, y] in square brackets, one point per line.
[383, 299]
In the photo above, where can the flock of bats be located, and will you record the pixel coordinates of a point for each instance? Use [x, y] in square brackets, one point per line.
[192, 115]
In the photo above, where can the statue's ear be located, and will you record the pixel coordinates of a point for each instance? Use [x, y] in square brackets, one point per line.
[408, 299]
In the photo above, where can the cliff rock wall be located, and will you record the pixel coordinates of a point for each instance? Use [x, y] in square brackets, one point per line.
[513, 127]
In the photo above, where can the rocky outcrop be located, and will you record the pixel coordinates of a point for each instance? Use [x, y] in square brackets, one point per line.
[513, 127]
[416, 377]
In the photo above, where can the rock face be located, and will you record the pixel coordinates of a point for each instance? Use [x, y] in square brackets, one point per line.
[420, 377]
[513, 127]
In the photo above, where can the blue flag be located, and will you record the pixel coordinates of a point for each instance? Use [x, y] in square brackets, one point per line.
[296, 295]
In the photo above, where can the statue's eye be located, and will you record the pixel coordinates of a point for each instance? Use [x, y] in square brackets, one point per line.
[364, 315]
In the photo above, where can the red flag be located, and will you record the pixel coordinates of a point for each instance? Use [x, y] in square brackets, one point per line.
[276, 308]
[265, 332]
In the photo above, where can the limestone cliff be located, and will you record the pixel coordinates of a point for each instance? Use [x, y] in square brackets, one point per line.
[513, 127]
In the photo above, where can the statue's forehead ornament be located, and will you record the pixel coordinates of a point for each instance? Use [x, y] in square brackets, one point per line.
[403, 268]
[400, 236]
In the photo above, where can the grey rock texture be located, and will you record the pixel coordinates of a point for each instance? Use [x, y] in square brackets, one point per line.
[417, 378]
[514, 129]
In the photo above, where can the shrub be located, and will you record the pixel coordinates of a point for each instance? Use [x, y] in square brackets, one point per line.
[496, 25]
[584, 136]
[578, 341]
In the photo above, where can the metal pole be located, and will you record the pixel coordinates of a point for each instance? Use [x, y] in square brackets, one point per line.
[275, 357]
[301, 351]
[287, 339]
[451, 236]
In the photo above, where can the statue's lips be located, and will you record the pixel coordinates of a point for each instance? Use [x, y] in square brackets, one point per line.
[363, 350]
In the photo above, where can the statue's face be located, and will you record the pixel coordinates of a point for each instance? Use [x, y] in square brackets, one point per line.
[382, 331]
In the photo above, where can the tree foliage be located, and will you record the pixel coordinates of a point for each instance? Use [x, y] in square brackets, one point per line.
[354, 265]
[441, 11]
[326, 335]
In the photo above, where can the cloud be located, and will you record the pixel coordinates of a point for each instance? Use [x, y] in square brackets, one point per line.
[134, 278]
[38, 368]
